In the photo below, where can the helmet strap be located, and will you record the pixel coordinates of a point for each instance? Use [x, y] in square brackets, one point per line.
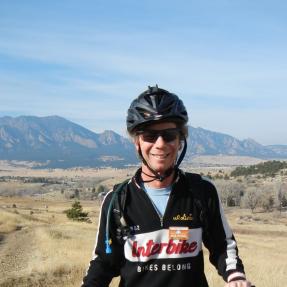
[169, 171]
[157, 176]
[182, 154]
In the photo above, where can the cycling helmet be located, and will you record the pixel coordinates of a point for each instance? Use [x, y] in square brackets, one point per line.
[155, 104]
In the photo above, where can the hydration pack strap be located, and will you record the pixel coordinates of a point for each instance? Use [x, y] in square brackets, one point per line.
[116, 207]
[195, 186]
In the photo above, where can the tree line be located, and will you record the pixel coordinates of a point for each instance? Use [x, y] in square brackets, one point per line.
[268, 168]
[266, 197]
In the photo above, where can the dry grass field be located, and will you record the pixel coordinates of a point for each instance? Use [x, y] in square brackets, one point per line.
[46, 249]
[39, 246]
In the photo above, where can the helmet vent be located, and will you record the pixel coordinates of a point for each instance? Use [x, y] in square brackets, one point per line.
[153, 101]
[144, 113]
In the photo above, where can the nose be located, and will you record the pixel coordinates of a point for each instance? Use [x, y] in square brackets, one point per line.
[159, 142]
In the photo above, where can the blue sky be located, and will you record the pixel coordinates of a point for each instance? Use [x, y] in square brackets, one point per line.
[86, 60]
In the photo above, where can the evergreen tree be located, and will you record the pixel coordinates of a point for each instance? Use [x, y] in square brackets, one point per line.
[76, 212]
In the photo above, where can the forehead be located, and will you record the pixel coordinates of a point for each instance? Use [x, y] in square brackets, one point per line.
[161, 126]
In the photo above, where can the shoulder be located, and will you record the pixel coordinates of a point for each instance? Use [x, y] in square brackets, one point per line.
[107, 199]
[208, 182]
[205, 185]
[196, 178]
[118, 189]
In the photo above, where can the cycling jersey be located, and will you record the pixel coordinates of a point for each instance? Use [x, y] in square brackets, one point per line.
[165, 250]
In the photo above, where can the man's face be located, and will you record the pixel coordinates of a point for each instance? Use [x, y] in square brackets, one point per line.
[159, 150]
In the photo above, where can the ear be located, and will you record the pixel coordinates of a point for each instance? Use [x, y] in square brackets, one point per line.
[136, 143]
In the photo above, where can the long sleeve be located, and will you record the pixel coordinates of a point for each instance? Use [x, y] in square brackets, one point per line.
[103, 267]
[219, 239]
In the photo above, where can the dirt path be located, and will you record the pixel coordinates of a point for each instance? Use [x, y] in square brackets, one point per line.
[15, 248]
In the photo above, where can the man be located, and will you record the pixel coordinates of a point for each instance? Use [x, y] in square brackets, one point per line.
[167, 213]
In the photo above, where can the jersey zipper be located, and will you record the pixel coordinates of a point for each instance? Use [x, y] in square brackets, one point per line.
[161, 217]
[158, 213]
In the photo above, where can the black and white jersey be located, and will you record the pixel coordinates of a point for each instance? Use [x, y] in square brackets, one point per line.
[165, 250]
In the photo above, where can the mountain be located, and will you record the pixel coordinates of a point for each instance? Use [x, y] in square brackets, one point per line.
[204, 142]
[279, 149]
[57, 142]
[61, 143]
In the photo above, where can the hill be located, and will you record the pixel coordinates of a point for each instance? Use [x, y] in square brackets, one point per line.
[57, 142]
[205, 142]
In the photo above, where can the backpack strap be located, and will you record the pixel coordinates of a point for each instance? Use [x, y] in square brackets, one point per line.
[122, 229]
[196, 187]
[116, 209]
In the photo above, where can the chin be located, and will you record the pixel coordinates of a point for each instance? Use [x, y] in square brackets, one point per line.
[161, 169]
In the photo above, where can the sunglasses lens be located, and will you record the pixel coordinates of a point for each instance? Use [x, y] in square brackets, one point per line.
[169, 136]
[151, 136]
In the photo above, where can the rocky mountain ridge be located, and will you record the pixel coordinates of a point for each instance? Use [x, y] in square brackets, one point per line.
[57, 142]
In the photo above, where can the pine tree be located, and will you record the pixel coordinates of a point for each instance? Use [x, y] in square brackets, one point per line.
[76, 212]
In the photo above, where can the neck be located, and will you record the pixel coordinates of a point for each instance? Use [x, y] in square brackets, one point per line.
[156, 183]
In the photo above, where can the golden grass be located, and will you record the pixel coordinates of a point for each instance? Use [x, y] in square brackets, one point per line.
[262, 245]
[13, 220]
[59, 250]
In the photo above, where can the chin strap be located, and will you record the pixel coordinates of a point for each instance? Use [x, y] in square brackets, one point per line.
[158, 176]
[169, 171]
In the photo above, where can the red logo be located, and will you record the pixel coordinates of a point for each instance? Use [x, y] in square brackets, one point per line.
[152, 248]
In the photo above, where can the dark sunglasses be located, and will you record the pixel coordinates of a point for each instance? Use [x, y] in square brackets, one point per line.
[151, 136]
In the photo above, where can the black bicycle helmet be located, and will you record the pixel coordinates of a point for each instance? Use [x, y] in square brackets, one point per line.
[155, 104]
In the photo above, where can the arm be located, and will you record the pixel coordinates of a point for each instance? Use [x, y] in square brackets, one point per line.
[103, 267]
[219, 240]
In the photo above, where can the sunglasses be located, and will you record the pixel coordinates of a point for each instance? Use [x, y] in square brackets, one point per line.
[151, 136]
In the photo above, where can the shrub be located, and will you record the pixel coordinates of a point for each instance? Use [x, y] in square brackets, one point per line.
[101, 189]
[252, 198]
[230, 192]
[76, 212]
[267, 202]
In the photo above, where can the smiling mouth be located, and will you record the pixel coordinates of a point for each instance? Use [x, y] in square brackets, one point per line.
[160, 156]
